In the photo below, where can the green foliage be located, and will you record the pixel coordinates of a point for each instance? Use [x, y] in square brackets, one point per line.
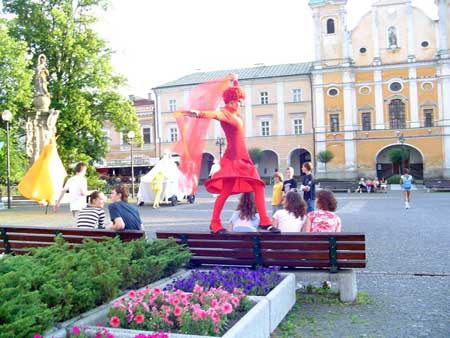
[255, 154]
[325, 156]
[397, 155]
[15, 95]
[82, 82]
[57, 283]
[394, 179]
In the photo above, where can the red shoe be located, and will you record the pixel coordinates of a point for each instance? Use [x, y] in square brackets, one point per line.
[216, 227]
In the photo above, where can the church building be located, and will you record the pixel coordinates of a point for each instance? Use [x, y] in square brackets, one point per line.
[385, 84]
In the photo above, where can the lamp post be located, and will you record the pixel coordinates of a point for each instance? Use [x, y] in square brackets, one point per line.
[7, 117]
[130, 140]
[401, 139]
[220, 141]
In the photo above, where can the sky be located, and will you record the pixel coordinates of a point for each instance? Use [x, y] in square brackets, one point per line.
[157, 41]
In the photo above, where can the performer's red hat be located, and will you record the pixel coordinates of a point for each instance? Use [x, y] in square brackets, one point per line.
[233, 93]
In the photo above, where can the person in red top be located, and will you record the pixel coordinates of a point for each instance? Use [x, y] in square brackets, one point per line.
[237, 172]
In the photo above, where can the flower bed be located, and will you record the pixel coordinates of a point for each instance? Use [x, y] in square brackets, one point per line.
[58, 283]
[202, 312]
[257, 282]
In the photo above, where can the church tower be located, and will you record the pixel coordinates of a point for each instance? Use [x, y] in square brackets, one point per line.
[332, 45]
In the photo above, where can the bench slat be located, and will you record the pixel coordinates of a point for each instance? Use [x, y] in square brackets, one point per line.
[282, 263]
[217, 244]
[347, 236]
[223, 253]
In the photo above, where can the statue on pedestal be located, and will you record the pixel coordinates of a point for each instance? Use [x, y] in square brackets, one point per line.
[41, 124]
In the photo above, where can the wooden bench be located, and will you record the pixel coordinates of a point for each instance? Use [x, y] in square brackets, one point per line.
[322, 255]
[339, 186]
[437, 185]
[20, 239]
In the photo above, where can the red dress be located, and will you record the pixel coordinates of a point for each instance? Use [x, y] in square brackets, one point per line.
[236, 164]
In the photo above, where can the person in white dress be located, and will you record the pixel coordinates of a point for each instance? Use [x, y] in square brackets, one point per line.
[76, 186]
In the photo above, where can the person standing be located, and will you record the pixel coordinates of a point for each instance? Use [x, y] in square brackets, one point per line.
[124, 216]
[237, 172]
[277, 193]
[406, 182]
[76, 186]
[93, 216]
[290, 184]
[308, 186]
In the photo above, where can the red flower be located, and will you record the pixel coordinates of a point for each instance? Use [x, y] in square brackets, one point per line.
[114, 321]
[177, 311]
[76, 330]
[139, 319]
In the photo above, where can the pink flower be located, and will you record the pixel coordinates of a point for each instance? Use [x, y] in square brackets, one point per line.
[197, 288]
[131, 294]
[215, 317]
[214, 302]
[114, 321]
[37, 335]
[76, 330]
[157, 291]
[216, 328]
[109, 335]
[226, 308]
[235, 301]
[99, 335]
[203, 314]
[175, 301]
[177, 311]
[139, 319]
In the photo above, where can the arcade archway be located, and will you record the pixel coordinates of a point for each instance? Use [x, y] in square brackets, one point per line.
[413, 160]
[297, 158]
[268, 163]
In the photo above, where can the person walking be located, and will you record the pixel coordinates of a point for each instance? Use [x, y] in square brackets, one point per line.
[308, 186]
[93, 215]
[76, 186]
[277, 193]
[406, 183]
[124, 216]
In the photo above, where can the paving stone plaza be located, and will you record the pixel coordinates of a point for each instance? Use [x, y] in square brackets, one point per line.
[407, 275]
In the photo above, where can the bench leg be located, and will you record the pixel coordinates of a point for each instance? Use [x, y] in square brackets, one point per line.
[347, 285]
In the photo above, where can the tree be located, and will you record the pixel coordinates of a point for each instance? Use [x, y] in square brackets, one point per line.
[397, 156]
[255, 154]
[15, 95]
[324, 157]
[82, 82]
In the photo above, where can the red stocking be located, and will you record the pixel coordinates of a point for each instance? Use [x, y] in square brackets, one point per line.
[261, 204]
[216, 225]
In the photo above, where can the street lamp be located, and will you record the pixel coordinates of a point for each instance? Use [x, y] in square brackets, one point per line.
[220, 141]
[401, 139]
[130, 140]
[7, 117]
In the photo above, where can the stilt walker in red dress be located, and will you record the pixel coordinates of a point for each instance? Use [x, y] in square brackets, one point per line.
[237, 173]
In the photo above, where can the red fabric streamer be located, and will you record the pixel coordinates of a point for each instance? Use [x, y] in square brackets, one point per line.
[204, 97]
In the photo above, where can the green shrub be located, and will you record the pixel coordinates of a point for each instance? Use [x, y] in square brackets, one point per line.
[57, 283]
[394, 179]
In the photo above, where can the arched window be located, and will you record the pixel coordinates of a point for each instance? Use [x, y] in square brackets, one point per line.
[330, 26]
[397, 114]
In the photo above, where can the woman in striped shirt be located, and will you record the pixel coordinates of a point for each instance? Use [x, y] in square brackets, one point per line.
[93, 216]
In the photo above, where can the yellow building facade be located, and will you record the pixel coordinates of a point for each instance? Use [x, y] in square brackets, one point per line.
[383, 85]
